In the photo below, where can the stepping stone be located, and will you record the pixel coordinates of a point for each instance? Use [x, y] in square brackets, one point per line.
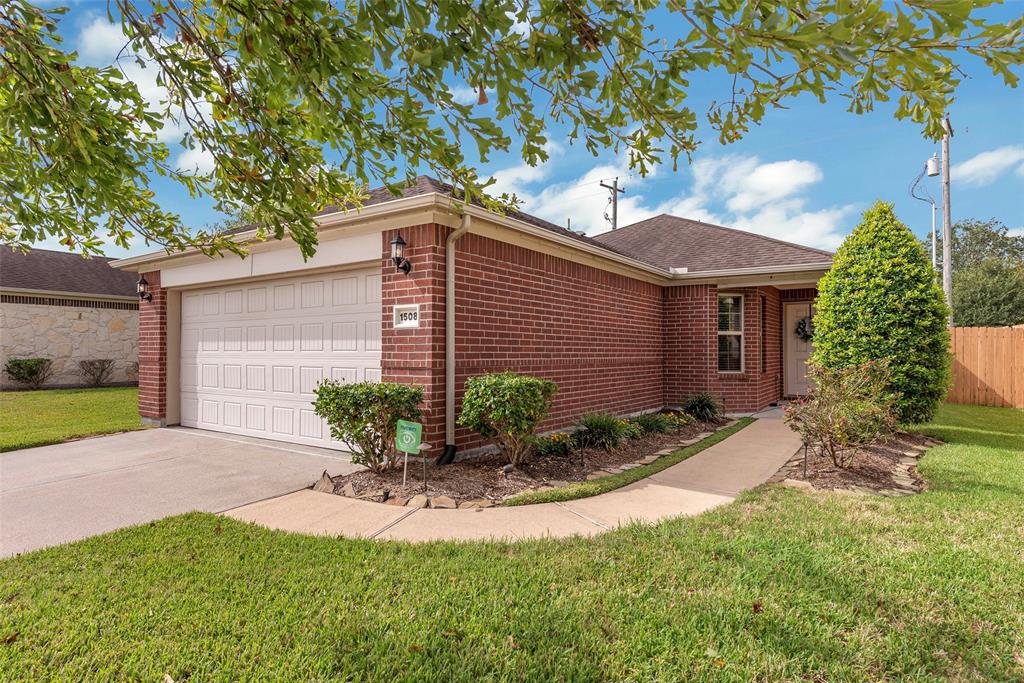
[703, 435]
[557, 483]
[908, 461]
[324, 484]
[348, 491]
[600, 474]
[797, 484]
[630, 466]
[379, 493]
[418, 501]
[649, 459]
[665, 451]
[476, 504]
[400, 501]
[442, 503]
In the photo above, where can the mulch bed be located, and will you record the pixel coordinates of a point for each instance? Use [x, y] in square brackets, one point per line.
[888, 468]
[482, 478]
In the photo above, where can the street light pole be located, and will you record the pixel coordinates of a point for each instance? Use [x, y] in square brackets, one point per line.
[947, 222]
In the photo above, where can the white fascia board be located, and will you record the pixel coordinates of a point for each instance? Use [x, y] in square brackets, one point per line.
[326, 223]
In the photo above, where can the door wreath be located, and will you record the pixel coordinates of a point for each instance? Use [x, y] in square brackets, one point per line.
[805, 329]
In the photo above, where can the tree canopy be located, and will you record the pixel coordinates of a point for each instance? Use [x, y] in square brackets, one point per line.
[302, 104]
[988, 274]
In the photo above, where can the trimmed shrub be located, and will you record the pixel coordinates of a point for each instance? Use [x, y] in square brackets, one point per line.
[556, 444]
[96, 372]
[600, 430]
[365, 416]
[881, 302]
[703, 407]
[849, 409]
[507, 407]
[655, 423]
[32, 372]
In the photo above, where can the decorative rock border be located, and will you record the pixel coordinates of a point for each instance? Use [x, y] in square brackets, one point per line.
[904, 479]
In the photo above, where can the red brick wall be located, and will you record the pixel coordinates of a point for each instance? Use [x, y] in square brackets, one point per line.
[416, 355]
[597, 334]
[691, 347]
[153, 352]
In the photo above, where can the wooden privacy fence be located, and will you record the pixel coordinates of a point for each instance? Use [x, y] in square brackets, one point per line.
[988, 366]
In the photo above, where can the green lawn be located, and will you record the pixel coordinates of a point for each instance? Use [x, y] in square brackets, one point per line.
[780, 585]
[37, 418]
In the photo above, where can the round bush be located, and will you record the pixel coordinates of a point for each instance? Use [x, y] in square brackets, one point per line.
[881, 302]
[507, 407]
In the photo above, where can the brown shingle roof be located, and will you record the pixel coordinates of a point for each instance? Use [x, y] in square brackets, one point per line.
[59, 271]
[673, 242]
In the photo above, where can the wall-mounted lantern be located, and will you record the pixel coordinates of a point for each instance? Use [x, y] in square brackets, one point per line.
[142, 288]
[398, 255]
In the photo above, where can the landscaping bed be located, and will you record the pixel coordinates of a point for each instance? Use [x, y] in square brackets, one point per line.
[482, 481]
[888, 468]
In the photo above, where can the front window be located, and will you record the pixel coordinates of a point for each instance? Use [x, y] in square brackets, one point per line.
[730, 333]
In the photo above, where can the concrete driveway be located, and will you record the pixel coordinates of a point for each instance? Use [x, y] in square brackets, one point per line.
[55, 494]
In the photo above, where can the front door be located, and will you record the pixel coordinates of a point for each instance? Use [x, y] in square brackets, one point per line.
[796, 350]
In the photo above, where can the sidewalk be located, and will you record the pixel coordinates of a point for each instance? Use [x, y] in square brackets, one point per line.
[710, 478]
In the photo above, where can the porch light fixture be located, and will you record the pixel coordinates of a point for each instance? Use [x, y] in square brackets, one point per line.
[142, 288]
[398, 255]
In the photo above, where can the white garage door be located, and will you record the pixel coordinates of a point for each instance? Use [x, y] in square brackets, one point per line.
[252, 354]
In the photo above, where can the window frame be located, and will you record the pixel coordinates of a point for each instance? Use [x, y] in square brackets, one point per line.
[741, 333]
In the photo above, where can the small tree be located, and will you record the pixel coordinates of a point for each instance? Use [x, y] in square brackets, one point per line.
[507, 407]
[848, 410]
[32, 372]
[365, 415]
[880, 302]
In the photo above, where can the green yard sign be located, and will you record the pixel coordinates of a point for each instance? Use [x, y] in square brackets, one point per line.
[407, 436]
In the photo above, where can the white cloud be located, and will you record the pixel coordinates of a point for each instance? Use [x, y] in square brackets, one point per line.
[753, 185]
[1015, 232]
[984, 168]
[464, 94]
[100, 41]
[740, 192]
[99, 44]
[195, 160]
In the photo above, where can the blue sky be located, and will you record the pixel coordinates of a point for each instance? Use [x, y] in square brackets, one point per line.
[805, 175]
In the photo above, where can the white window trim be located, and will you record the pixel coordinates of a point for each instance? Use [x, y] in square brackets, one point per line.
[741, 333]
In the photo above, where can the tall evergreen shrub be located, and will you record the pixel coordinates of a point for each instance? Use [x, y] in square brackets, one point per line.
[880, 301]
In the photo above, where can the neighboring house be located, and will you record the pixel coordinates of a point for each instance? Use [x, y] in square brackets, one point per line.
[632, 320]
[67, 308]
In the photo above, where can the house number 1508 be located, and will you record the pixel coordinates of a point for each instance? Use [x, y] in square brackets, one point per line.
[407, 316]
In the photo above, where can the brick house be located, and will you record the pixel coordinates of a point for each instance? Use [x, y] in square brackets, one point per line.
[632, 320]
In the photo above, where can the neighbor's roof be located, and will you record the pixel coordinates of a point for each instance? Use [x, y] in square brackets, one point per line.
[58, 271]
[673, 242]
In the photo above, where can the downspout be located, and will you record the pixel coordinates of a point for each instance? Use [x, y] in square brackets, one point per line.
[448, 455]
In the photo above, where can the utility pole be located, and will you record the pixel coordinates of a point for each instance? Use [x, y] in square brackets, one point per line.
[947, 222]
[616, 191]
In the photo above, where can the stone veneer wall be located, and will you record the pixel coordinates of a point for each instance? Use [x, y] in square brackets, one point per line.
[68, 334]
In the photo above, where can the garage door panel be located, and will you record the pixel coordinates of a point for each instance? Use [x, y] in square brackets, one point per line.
[252, 356]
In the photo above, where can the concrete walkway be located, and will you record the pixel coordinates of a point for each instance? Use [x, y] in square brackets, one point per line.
[711, 478]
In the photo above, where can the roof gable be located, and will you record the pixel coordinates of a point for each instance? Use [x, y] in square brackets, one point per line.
[672, 242]
[59, 271]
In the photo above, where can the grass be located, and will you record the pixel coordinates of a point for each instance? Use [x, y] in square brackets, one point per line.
[780, 585]
[38, 418]
[585, 489]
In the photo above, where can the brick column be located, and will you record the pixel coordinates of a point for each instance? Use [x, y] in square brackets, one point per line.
[416, 355]
[153, 354]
